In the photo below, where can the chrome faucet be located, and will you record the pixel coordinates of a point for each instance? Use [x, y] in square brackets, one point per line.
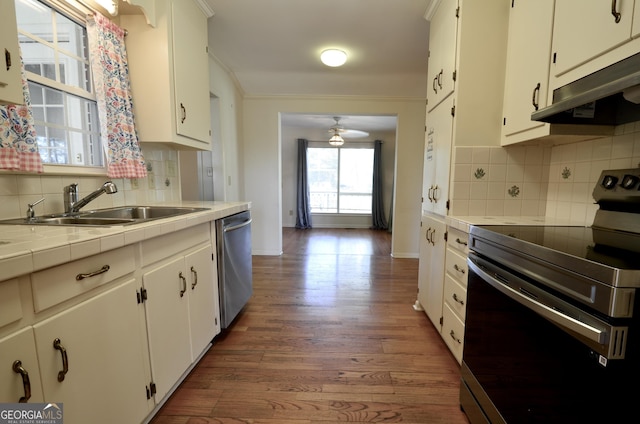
[73, 205]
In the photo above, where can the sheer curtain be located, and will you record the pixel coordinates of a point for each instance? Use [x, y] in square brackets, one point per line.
[377, 206]
[18, 141]
[113, 94]
[303, 205]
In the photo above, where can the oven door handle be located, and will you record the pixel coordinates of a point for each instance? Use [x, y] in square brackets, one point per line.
[558, 318]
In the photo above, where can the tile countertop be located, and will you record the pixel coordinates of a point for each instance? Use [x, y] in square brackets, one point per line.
[464, 223]
[25, 248]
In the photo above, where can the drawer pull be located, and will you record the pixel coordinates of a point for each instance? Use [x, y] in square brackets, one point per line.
[57, 344]
[462, 242]
[195, 278]
[457, 268]
[184, 284]
[18, 368]
[93, 274]
[457, 300]
[453, 336]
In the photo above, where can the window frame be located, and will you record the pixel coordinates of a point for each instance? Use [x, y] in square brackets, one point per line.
[79, 16]
[353, 145]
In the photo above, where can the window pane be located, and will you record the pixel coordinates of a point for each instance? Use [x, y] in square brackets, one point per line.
[323, 179]
[56, 47]
[356, 180]
[340, 179]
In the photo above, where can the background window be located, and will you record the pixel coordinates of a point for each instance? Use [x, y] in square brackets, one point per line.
[340, 179]
[56, 57]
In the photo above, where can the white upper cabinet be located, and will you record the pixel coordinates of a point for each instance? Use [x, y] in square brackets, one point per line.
[10, 75]
[527, 77]
[437, 158]
[585, 29]
[442, 52]
[169, 69]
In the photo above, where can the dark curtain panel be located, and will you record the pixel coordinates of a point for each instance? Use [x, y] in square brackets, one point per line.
[303, 206]
[377, 206]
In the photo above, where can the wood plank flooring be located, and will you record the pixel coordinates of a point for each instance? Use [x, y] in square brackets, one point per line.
[329, 336]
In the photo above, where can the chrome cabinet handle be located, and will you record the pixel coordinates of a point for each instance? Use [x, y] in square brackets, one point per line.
[195, 281]
[453, 336]
[93, 273]
[184, 284]
[617, 15]
[535, 100]
[57, 344]
[18, 368]
[455, 297]
[184, 113]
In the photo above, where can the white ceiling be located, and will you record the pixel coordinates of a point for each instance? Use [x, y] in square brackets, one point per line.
[272, 47]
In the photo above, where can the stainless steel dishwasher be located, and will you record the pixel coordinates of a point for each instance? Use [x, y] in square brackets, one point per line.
[235, 281]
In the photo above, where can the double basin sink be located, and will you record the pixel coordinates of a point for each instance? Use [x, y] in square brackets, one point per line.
[124, 215]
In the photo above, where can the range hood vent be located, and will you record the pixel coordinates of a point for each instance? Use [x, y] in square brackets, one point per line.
[610, 96]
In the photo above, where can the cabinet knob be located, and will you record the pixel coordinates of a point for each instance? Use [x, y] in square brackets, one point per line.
[18, 368]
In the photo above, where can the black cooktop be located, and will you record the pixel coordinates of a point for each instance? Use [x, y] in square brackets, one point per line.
[610, 248]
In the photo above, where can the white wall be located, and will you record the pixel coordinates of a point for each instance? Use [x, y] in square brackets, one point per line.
[263, 157]
[289, 146]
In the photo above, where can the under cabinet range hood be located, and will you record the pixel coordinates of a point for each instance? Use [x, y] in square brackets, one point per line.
[610, 96]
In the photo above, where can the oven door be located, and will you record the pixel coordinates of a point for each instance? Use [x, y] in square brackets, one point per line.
[524, 364]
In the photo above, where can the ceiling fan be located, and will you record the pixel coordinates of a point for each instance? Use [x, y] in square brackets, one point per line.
[337, 132]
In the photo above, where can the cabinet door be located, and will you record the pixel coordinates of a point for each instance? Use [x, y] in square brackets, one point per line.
[438, 157]
[191, 70]
[10, 74]
[167, 312]
[203, 302]
[584, 29]
[19, 346]
[432, 261]
[103, 355]
[528, 59]
[442, 53]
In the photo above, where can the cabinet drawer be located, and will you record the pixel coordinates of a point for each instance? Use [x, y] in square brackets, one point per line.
[55, 285]
[10, 304]
[453, 332]
[458, 240]
[456, 296]
[456, 265]
[168, 245]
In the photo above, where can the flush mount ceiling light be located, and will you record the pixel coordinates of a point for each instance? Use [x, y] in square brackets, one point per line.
[333, 57]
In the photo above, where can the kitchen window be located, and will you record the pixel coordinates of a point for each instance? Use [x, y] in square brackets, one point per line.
[340, 179]
[55, 53]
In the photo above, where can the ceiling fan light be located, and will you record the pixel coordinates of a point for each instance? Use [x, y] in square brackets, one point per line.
[333, 57]
[336, 140]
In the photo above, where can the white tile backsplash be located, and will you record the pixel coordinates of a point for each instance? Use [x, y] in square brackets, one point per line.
[551, 181]
[16, 190]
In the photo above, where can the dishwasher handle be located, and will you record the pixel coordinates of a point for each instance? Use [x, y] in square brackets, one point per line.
[237, 227]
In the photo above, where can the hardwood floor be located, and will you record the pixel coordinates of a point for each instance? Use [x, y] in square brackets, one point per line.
[329, 336]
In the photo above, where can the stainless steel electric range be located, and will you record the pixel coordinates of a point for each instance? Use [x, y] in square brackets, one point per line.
[552, 330]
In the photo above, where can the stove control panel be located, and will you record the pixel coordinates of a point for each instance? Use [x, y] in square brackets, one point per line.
[618, 185]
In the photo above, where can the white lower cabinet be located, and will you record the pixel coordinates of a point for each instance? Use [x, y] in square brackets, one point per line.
[92, 358]
[431, 269]
[181, 305]
[19, 370]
